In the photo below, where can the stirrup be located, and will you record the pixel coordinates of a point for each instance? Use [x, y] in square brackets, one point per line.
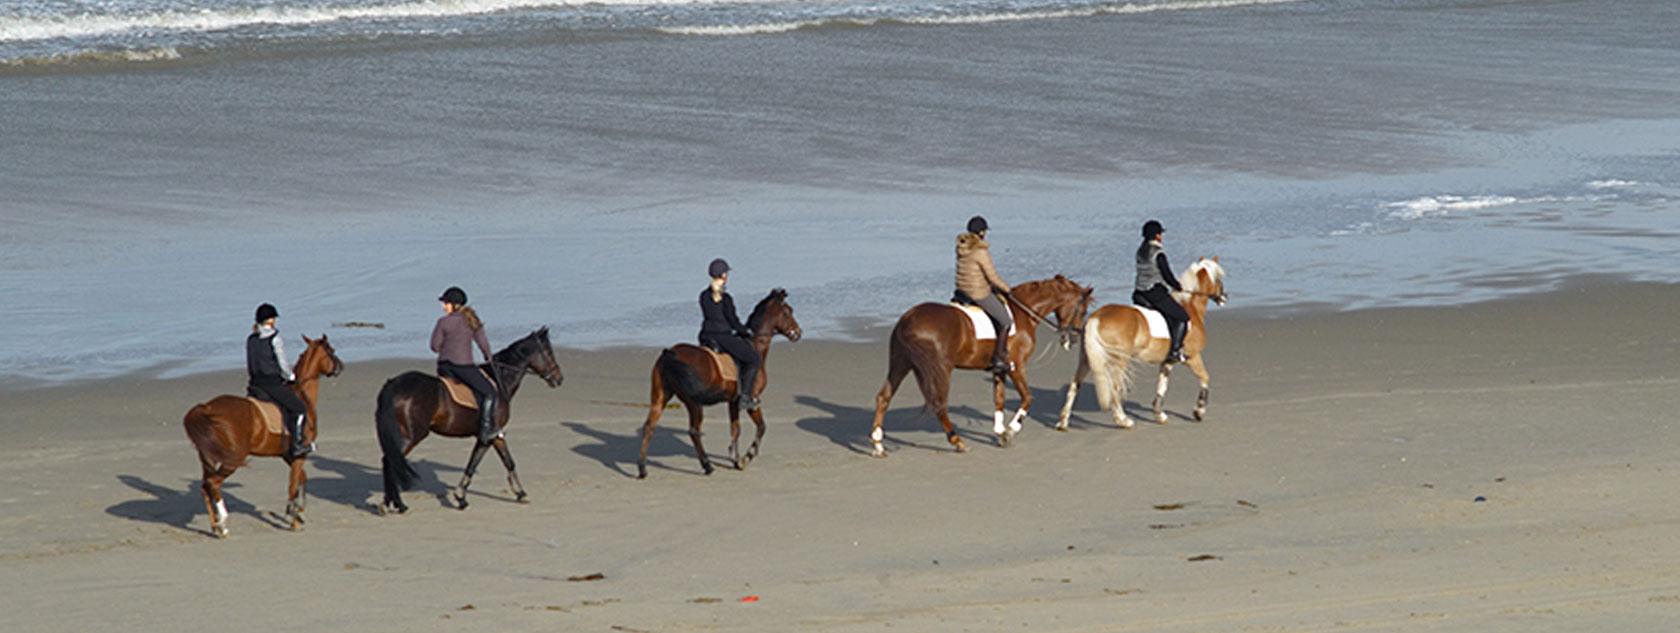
[1174, 358]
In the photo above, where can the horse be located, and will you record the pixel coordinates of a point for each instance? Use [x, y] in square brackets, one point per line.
[228, 429]
[1118, 335]
[932, 339]
[414, 404]
[687, 373]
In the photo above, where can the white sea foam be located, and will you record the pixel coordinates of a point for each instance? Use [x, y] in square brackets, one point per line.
[158, 54]
[99, 24]
[1431, 206]
[968, 18]
[1612, 184]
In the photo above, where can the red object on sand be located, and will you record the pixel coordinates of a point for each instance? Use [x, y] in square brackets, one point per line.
[750, 599]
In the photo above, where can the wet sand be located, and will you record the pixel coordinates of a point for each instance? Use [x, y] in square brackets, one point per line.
[1506, 466]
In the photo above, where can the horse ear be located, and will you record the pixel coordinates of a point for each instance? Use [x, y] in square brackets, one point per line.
[306, 340]
[1215, 259]
[1059, 277]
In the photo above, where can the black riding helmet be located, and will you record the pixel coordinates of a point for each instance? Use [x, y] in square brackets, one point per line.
[266, 312]
[717, 268]
[454, 295]
[1151, 229]
[977, 225]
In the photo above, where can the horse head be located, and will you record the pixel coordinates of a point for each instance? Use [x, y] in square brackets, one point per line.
[773, 316]
[1063, 297]
[1206, 277]
[319, 359]
[535, 353]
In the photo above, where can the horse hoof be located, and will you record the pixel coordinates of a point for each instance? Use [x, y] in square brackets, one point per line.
[1125, 423]
[521, 497]
[1063, 427]
[1004, 440]
[740, 465]
[219, 532]
[460, 502]
[1199, 414]
[880, 452]
[297, 524]
[708, 468]
[960, 447]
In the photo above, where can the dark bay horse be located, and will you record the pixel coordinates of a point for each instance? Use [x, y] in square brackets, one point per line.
[687, 372]
[415, 404]
[932, 339]
[228, 429]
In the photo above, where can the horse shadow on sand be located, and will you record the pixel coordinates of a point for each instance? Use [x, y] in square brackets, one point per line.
[670, 440]
[178, 506]
[362, 487]
[849, 426]
[352, 486]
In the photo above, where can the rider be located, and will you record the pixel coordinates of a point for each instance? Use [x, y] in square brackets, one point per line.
[976, 279]
[1154, 278]
[453, 338]
[722, 329]
[271, 376]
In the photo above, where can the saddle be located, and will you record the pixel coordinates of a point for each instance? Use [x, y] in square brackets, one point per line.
[270, 414]
[1157, 323]
[722, 363]
[983, 328]
[461, 393]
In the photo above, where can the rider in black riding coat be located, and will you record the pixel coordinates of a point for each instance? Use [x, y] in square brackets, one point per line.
[720, 328]
[1155, 285]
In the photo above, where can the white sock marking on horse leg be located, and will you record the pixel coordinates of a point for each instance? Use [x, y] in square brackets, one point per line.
[1161, 386]
[997, 422]
[1015, 424]
[221, 511]
[876, 435]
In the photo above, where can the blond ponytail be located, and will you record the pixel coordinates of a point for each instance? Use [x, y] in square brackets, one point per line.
[472, 318]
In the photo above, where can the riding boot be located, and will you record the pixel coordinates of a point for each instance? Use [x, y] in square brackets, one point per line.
[299, 446]
[1000, 356]
[744, 389]
[486, 419]
[1176, 354]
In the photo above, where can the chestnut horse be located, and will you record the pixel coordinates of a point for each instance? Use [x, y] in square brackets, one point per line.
[1117, 335]
[687, 372]
[414, 404]
[932, 339]
[228, 429]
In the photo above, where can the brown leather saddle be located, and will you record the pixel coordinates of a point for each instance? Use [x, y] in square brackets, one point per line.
[722, 363]
[461, 393]
[270, 414]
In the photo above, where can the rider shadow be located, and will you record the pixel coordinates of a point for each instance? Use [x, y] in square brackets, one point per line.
[620, 452]
[356, 486]
[178, 508]
[849, 427]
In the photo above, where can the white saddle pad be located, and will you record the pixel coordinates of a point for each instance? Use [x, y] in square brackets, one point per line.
[1157, 323]
[983, 329]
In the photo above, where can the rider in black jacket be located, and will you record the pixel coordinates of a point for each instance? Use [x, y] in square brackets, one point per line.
[722, 329]
[1155, 285]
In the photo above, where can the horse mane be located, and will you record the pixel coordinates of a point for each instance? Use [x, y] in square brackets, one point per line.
[760, 311]
[512, 354]
[1191, 280]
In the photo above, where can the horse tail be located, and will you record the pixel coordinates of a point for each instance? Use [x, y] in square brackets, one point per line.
[213, 441]
[394, 463]
[933, 370]
[679, 377]
[1108, 367]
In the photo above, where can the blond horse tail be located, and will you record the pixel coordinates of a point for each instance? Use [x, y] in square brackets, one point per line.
[1108, 367]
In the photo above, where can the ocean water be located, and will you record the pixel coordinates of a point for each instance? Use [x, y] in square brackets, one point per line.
[166, 165]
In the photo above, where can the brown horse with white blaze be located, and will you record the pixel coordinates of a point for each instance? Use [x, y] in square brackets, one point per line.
[229, 429]
[415, 404]
[933, 339]
[1117, 336]
[687, 373]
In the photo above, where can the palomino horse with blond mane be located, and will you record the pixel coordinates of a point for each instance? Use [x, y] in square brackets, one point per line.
[229, 429]
[1118, 335]
[932, 339]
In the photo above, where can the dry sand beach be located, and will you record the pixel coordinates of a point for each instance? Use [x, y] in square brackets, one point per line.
[1506, 466]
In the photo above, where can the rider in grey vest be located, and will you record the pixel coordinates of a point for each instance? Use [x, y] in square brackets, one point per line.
[1155, 285]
